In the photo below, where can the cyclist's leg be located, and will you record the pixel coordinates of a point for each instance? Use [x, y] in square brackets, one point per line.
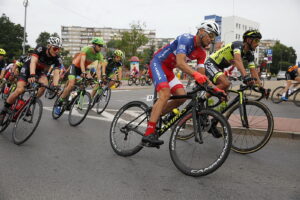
[43, 80]
[289, 79]
[71, 81]
[164, 93]
[176, 89]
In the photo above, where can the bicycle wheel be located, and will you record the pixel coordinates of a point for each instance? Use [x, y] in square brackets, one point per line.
[137, 81]
[259, 131]
[143, 82]
[27, 121]
[79, 108]
[193, 158]
[296, 99]
[149, 81]
[128, 127]
[118, 84]
[103, 100]
[54, 115]
[277, 94]
[130, 81]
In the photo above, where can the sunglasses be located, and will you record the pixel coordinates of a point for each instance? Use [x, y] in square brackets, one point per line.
[55, 48]
[99, 45]
[257, 40]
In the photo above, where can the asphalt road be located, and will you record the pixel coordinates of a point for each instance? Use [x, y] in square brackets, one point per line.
[63, 162]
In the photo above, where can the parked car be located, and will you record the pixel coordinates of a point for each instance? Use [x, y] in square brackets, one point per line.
[281, 75]
[265, 75]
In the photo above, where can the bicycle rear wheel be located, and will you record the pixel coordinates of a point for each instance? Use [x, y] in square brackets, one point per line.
[130, 81]
[128, 128]
[259, 131]
[296, 99]
[79, 108]
[193, 158]
[137, 81]
[102, 100]
[277, 94]
[27, 121]
[54, 115]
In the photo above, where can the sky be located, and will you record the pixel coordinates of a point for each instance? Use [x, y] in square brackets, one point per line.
[278, 19]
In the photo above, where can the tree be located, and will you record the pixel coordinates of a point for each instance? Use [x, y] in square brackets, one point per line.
[283, 57]
[11, 37]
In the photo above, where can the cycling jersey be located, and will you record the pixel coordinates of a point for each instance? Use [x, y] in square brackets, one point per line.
[164, 61]
[90, 57]
[224, 57]
[292, 72]
[20, 62]
[112, 66]
[44, 62]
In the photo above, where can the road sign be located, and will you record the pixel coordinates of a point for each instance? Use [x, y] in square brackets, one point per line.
[269, 52]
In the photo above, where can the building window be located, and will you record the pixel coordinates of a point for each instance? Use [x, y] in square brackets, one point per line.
[236, 25]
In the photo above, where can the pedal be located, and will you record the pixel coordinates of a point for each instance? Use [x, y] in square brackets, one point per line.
[150, 145]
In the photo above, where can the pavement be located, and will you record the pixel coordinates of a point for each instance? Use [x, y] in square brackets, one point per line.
[283, 126]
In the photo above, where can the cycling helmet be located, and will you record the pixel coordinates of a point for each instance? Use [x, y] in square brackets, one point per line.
[2, 52]
[210, 27]
[54, 41]
[118, 53]
[98, 41]
[252, 34]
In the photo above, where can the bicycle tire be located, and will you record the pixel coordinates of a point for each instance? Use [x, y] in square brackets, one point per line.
[16, 135]
[137, 81]
[74, 105]
[130, 141]
[296, 98]
[55, 116]
[130, 81]
[207, 149]
[277, 94]
[143, 82]
[103, 98]
[149, 81]
[262, 130]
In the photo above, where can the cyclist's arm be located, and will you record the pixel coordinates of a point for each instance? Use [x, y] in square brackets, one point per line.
[33, 62]
[238, 63]
[82, 63]
[104, 64]
[181, 64]
[254, 74]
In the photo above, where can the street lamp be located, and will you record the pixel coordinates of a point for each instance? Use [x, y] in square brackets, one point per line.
[25, 3]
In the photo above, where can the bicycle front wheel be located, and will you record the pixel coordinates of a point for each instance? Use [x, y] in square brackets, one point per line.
[128, 128]
[190, 156]
[28, 120]
[102, 100]
[130, 81]
[296, 99]
[79, 108]
[254, 136]
[277, 94]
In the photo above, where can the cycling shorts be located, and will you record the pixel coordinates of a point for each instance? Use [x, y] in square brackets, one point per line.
[163, 76]
[212, 71]
[25, 73]
[74, 72]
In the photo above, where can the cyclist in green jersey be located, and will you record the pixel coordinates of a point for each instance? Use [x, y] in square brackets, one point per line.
[233, 54]
[88, 55]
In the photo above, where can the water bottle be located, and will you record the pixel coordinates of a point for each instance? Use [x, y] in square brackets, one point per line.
[170, 116]
[20, 103]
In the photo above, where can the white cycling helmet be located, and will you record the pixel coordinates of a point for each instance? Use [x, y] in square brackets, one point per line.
[54, 41]
[210, 27]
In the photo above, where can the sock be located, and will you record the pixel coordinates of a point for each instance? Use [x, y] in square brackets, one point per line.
[283, 94]
[150, 128]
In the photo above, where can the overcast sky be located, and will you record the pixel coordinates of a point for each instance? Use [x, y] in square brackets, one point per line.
[278, 19]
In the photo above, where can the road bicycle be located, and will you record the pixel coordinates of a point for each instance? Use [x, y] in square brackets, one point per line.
[145, 79]
[26, 114]
[199, 155]
[78, 103]
[277, 94]
[133, 79]
[251, 121]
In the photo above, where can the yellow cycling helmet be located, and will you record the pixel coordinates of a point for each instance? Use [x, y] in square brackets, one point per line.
[2, 52]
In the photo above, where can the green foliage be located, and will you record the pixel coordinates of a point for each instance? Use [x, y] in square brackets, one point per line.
[283, 57]
[11, 37]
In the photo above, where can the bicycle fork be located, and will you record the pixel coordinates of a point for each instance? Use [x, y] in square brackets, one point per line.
[243, 111]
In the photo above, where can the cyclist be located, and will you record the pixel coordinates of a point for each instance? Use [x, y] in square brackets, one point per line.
[88, 55]
[2, 63]
[35, 68]
[134, 73]
[292, 73]
[113, 67]
[233, 54]
[166, 83]
[20, 62]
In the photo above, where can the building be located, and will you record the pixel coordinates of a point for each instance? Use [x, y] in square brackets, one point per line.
[264, 45]
[76, 37]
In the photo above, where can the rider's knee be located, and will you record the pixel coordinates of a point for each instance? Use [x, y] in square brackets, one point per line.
[165, 95]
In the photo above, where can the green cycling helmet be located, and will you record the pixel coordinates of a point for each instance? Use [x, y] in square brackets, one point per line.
[118, 53]
[30, 50]
[98, 41]
[2, 52]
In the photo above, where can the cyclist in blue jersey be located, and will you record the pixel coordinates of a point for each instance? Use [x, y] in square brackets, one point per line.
[161, 68]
